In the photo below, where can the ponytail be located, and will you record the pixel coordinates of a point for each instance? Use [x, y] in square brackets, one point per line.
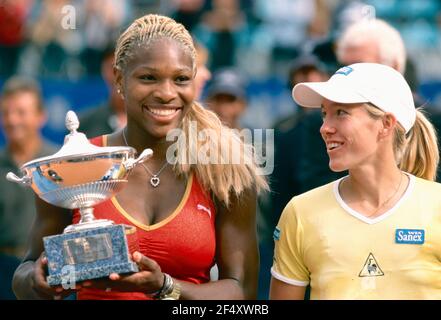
[420, 155]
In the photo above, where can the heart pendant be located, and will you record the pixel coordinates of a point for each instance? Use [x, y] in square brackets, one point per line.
[154, 181]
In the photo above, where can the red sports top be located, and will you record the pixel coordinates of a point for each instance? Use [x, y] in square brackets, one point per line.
[183, 244]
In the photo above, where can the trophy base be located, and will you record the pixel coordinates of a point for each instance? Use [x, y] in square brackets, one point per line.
[89, 274]
[88, 225]
[87, 254]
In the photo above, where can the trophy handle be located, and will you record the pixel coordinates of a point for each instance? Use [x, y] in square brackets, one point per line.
[130, 163]
[13, 178]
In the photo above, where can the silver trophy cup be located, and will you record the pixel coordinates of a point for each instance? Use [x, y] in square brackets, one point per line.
[79, 176]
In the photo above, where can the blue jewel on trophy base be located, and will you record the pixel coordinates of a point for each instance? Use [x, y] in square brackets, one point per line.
[87, 254]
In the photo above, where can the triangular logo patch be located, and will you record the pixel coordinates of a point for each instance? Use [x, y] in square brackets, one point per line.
[371, 268]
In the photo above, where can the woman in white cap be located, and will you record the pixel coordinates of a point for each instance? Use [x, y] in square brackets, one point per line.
[376, 233]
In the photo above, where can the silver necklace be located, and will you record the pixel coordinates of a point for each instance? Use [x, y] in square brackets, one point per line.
[154, 180]
[390, 198]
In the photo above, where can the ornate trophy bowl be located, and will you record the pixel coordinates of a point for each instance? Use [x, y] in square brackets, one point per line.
[79, 176]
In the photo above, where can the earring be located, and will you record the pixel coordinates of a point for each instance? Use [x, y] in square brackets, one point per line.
[120, 93]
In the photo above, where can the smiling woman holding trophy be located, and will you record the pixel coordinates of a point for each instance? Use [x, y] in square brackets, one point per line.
[187, 215]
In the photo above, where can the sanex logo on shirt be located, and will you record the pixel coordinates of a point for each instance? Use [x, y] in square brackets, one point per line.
[409, 236]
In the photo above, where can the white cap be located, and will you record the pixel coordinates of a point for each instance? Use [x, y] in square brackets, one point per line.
[378, 84]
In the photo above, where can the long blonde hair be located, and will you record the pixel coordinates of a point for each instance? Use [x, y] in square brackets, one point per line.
[224, 180]
[417, 151]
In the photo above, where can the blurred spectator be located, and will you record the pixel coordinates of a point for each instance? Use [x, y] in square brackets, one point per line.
[285, 182]
[349, 12]
[345, 14]
[306, 68]
[111, 115]
[226, 96]
[22, 117]
[289, 24]
[203, 73]
[69, 36]
[223, 29]
[319, 26]
[13, 14]
[100, 22]
[372, 40]
[284, 179]
[56, 45]
[188, 12]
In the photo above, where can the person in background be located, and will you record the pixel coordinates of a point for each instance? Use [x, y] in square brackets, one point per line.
[187, 12]
[285, 181]
[13, 15]
[223, 28]
[52, 42]
[372, 40]
[22, 116]
[100, 23]
[203, 74]
[111, 115]
[226, 96]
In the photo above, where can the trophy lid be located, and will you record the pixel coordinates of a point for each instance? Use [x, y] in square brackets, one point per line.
[76, 145]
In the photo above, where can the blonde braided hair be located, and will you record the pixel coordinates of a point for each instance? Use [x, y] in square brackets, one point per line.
[145, 30]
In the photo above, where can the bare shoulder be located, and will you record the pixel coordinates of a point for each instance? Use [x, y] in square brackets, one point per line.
[239, 205]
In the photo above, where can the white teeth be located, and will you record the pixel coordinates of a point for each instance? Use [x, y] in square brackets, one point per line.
[162, 112]
[333, 145]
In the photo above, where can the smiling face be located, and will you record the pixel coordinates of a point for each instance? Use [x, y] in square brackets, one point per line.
[157, 85]
[351, 135]
[21, 117]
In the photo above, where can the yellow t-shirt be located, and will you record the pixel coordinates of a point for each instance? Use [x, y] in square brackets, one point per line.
[344, 255]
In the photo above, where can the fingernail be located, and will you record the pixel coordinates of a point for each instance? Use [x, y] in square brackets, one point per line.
[114, 276]
[57, 297]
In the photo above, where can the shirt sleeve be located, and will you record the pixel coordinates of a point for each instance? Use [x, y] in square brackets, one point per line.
[288, 265]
